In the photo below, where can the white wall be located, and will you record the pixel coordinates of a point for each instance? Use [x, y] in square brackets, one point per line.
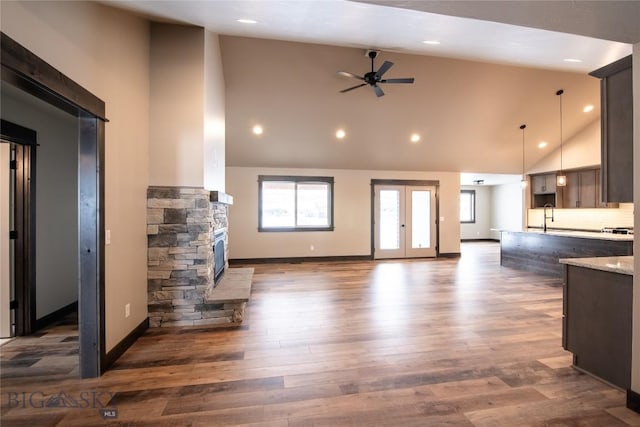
[107, 52]
[352, 211]
[479, 229]
[56, 187]
[506, 208]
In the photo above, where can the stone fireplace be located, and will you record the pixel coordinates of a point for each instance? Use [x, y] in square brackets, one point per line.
[183, 224]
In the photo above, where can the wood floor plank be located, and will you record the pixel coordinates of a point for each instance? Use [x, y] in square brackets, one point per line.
[436, 342]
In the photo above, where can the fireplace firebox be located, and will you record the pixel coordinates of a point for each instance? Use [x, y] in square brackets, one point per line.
[218, 256]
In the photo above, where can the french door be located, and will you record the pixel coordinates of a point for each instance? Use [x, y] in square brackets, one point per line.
[404, 221]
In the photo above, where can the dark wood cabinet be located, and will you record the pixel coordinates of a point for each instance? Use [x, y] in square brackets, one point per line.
[597, 322]
[581, 190]
[616, 97]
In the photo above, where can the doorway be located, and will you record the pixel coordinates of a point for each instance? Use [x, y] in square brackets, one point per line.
[404, 220]
[54, 88]
[17, 255]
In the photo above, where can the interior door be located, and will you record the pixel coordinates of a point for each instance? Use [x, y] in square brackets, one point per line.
[404, 221]
[6, 225]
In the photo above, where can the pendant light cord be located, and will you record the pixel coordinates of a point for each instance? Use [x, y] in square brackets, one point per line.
[559, 93]
[522, 127]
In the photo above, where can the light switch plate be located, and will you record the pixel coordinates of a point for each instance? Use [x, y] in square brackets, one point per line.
[107, 237]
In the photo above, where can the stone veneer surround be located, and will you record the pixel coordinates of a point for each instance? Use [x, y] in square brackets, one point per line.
[181, 222]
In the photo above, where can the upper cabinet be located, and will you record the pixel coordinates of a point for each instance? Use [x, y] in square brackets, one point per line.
[543, 189]
[544, 184]
[581, 190]
[616, 99]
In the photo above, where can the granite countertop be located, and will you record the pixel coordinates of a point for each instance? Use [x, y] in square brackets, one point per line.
[579, 234]
[614, 264]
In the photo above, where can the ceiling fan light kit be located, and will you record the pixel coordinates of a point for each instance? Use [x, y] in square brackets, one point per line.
[373, 78]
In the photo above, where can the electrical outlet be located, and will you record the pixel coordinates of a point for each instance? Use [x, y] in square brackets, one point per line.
[127, 310]
[312, 248]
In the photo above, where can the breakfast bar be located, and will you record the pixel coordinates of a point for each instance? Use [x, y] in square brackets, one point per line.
[538, 251]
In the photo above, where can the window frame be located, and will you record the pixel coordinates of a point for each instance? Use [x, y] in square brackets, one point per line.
[297, 180]
[473, 206]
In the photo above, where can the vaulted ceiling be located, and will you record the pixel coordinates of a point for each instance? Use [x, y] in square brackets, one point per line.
[472, 92]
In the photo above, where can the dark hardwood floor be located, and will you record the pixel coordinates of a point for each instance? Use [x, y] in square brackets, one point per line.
[451, 342]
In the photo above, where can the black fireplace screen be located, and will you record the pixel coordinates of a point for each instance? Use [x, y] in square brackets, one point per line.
[218, 257]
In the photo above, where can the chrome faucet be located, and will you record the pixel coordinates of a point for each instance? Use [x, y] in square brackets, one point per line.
[544, 224]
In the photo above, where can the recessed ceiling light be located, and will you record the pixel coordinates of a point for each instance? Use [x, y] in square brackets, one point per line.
[434, 42]
[415, 137]
[572, 60]
[257, 129]
[588, 108]
[542, 144]
[340, 134]
[246, 21]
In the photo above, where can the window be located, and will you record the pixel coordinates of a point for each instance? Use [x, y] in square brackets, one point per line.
[295, 203]
[467, 206]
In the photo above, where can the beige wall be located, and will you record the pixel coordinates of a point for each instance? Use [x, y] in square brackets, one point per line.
[107, 52]
[187, 108]
[352, 210]
[214, 115]
[467, 112]
[177, 105]
[580, 151]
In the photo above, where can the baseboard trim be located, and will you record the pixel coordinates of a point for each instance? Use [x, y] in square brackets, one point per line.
[449, 255]
[633, 401]
[480, 240]
[299, 260]
[119, 349]
[57, 315]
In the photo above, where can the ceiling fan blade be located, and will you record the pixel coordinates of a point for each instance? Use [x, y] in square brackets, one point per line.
[384, 68]
[353, 87]
[353, 76]
[403, 80]
[378, 90]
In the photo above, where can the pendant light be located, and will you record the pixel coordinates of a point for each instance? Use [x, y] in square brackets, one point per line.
[523, 182]
[561, 178]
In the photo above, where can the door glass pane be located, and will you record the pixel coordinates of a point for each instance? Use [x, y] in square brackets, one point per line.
[278, 204]
[389, 219]
[420, 219]
[313, 204]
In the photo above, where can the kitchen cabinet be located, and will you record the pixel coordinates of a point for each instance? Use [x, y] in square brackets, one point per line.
[597, 319]
[544, 184]
[616, 100]
[543, 189]
[581, 190]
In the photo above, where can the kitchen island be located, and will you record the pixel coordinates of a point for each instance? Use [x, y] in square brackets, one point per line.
[597, 316]
[539, 251]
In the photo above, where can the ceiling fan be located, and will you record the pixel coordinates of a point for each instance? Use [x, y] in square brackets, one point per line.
[372, 78]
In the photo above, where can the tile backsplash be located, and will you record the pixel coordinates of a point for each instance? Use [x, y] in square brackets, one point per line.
[584, 219]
